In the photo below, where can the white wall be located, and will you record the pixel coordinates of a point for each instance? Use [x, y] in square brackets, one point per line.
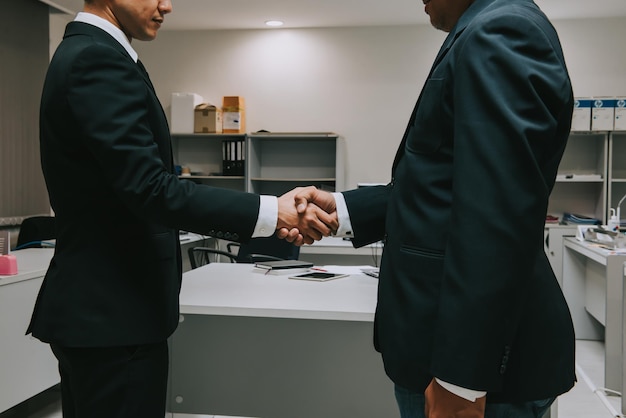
[595, 55]
[361, 83]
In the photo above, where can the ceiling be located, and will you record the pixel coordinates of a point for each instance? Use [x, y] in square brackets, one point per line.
[251, 14]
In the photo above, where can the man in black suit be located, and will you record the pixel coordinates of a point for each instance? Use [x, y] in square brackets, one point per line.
[468, 305]
[109, 300]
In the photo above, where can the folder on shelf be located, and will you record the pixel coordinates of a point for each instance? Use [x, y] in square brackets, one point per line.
[233, 156]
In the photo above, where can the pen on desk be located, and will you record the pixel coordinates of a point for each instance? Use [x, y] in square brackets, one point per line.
[319, 269]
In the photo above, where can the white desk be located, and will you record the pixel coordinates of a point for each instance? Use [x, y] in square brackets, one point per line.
[593, 284]
[27, 366]
[337, 251]
[267, 346]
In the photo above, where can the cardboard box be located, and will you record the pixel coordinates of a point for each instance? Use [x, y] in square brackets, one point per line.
[620, 114]
[581, 118]
[182, 112]
[234, 117]
[603, 114]
[207, 119]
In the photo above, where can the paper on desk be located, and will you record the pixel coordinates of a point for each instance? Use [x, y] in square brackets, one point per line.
[343, 269]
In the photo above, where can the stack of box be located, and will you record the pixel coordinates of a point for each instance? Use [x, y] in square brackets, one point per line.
[234, 116]
[581, 118]
[207, 119]
[599, 114]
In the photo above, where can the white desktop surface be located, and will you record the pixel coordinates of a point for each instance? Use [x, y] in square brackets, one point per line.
[242, 290]
[32, 263]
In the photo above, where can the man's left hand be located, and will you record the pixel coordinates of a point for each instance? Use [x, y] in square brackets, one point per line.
[441, 403]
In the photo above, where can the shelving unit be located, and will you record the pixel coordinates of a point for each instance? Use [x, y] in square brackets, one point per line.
[274, 163]
[203, 154]
[617, 170]
[580, 188]
[278, 162]
[581, 184]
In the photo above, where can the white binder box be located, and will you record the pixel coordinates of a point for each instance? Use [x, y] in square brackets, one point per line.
[182, 112]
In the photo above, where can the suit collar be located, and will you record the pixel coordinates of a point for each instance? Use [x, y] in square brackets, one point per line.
[109, 28]
[81, 28]
[466, 18]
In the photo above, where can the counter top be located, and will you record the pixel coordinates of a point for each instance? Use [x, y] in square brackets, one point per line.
[32, 263]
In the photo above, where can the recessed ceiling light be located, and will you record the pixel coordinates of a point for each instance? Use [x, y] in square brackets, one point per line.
[274, 23]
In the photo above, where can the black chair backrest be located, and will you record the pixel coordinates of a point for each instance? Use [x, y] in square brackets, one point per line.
[34, 230]
[267, 248]
[199, 256]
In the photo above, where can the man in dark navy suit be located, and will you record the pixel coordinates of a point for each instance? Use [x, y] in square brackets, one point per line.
[471, 321]
[109, 300]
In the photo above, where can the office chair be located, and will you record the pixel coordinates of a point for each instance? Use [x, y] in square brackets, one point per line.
[199, 256]
[34, 230]
[255, 250]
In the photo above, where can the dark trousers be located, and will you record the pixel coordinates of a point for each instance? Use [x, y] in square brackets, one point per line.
[113, 382]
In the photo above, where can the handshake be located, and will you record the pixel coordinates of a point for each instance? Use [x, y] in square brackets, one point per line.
[305, 215]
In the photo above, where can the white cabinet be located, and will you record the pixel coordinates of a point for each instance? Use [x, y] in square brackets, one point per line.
[553, 240]
[278, 162]
[581, 181]
[27, 366]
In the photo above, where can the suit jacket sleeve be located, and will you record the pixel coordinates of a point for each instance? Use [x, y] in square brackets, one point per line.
[124, 127]
[368, 209]
[511, 94]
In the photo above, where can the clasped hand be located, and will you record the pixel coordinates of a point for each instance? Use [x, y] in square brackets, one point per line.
[305, 215]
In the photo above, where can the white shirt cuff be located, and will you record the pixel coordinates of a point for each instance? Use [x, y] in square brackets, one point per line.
[268, 217]
[468, 394]
[345, 226]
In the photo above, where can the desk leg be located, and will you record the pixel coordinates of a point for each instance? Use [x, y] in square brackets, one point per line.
[278, 368]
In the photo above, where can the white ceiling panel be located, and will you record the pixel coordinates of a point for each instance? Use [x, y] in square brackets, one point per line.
[251, 14]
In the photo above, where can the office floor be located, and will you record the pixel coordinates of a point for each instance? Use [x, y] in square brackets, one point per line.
[580, 402]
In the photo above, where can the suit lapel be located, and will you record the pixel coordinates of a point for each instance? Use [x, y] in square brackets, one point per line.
[442, 53]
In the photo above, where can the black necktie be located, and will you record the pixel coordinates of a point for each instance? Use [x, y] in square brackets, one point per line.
[145, 73]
